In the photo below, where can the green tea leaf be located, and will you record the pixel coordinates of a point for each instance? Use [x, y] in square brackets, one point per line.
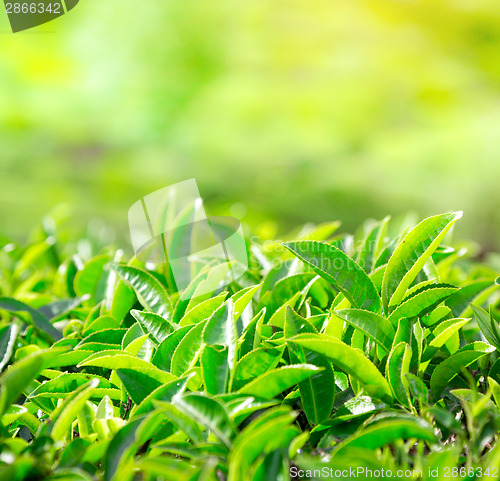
[166, 392]
[317, 393]
[8, 336]
[120, 450]
[39, 320]
[187, 351]
[284, 290]
[452, 366]
[151, 294]
[387, 432]
[203, 310]
[348, 359]
[67, 413]
[19, 375]
[67, 383]
[339, 269]
[272, 383]
[398, 365]
[156, 326]
[460, 300]
[256, 363]
[58, 309]
[105, 336]
[87, 280]
[441, 334]
[242, 298]
[215, 369]
[488, 325]
[220, 330]
[258, 438]
[141, 382]
[370, 249]
[208, 412]
[421, 302]
[114, 360]
[180, 420]
[411, 255]
[372, 325]
[165, 468]
[165, 351]
[99, 324]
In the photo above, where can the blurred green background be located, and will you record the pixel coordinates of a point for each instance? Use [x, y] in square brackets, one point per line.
[284, 111]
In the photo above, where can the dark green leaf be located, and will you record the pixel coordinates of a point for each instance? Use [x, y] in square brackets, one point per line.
[39, 320]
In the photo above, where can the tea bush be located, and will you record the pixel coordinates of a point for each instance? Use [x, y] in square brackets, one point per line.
[377, 351]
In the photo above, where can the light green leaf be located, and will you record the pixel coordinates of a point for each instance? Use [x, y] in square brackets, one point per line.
[375, 326]
[163, 393]
[67, 383]
[156, 326]
[165, 351]
[387, 432]
[278, 317]
[150, 293]
[180, 420]
[203, 310]
[421, 302]
[64, 416]
[114, 360]
[339, 269]
[215, 369]
[256, 363]
[272, 383]
[188, 349]
[105, 336]
[141, 382]
[13, 414]
[258, 438]
[19, 375]
[441, 334]
[220, 330]
[209, 413]
[99, 324]
[283, 291]
[120, 450]
[411, 255]
[350, 360]
[488, 325]
[242, 298]
[460, 300]
[450, 367]
[398, 365]
[165, 468]
[371, 245]
[87, 280]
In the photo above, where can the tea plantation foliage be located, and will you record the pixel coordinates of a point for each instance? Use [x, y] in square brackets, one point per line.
[378, 350]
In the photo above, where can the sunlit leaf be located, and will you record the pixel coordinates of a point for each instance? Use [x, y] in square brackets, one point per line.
[339, 269]
[411, 255]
